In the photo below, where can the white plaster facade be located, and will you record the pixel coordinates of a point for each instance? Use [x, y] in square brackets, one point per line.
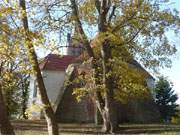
[54, 82]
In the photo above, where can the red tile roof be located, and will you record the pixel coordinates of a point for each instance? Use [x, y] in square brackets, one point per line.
[56, 62]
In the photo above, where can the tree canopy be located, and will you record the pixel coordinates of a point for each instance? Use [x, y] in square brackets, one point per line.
[139, 25]
[113, 33]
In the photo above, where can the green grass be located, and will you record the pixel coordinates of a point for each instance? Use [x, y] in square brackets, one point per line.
[39, 128]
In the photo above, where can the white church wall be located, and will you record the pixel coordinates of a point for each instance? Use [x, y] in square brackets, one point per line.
[54, 81]
[32, 89]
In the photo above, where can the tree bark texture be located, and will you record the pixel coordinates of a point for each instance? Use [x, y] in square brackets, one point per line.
[5, 126]
[109, 112]
[47, 109]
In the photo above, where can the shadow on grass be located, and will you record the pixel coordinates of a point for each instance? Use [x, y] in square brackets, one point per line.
[92, 129]
[123, 131]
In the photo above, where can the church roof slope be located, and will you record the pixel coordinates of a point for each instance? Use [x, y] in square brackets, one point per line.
[57, 62]
[139, 66]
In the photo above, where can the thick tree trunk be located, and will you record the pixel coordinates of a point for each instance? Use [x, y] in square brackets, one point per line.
[110, 122]
[109, 113]
[5, 125]
[47, 109]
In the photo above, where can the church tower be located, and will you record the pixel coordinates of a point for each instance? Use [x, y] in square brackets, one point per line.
[74, 47]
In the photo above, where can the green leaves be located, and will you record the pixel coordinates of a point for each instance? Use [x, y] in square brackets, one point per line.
[129, 81]
[165, 98]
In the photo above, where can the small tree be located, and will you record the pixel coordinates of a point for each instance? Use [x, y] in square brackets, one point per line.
[166, 99]
[176, 119]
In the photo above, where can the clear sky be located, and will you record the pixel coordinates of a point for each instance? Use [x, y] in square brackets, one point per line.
[173, 73]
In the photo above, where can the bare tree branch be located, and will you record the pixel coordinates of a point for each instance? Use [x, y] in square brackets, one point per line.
[112, 14]
[125, 21]
[135, 35]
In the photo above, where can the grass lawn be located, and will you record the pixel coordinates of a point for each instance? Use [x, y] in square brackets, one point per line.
[39, 128]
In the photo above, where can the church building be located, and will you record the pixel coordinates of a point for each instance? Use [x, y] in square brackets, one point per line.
[57, 70]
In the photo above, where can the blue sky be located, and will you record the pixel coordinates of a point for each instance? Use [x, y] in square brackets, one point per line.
[173, 73]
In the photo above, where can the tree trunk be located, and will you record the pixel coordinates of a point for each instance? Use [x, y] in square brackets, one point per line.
[110, 121]
[109, 113]
[47, 109]
[24, 87]
[107, 108]
[5, 125]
